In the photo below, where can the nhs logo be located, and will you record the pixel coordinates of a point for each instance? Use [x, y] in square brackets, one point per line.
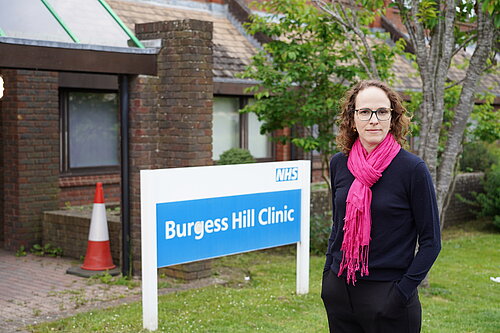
[287, 174]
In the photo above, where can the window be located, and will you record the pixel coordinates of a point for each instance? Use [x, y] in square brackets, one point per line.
[232, 129]
[90, 131]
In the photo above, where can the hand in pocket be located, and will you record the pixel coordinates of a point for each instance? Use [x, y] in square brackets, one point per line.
[395, 303]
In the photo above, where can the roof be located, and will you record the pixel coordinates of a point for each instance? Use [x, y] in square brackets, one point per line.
[67, 21]
[232, 49]
[408, 78]
[27, 22]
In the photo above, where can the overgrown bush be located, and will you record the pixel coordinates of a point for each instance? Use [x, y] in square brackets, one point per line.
[321, 226]
[489, 201]
[236, 156]
[477, 156]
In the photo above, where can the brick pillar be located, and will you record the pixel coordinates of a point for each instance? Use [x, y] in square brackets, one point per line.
[282, 151]
[30, 153]
[171, 114]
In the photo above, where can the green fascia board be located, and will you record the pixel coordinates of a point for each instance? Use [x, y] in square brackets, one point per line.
[121, 24]
[60, 21]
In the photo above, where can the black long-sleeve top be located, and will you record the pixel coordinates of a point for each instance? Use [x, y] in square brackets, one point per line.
[403, 209]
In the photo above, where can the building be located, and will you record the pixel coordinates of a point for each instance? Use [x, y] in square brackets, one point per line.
[98, 90]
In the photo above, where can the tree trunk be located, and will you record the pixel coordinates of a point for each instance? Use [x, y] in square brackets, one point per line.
[486, 35]
[434, 59]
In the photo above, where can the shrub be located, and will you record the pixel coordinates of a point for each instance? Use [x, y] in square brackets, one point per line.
[236, 156]
[477, 156]
[321, 227]
[489, 201]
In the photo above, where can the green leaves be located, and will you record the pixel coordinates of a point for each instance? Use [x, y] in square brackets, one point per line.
[486, 120]
[305, 70]
[492, 7]
[428, 13]
[46, 250]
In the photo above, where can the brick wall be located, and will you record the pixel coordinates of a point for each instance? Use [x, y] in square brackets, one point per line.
[30, 144]
[80, 190]
[171, 115]
[458, 211]
[69, 230]
[321, 202]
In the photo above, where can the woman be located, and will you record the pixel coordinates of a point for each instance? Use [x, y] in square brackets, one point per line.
[383, 200]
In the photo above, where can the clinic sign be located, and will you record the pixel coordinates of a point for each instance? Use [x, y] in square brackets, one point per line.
[197, 213]
[212, 227]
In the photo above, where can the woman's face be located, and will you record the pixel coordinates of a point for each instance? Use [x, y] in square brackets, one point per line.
[372, 132]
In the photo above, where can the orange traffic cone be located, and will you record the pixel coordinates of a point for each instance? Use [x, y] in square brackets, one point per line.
[98, 256]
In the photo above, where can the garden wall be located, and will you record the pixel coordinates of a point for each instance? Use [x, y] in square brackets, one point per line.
[459, 211]
[69, 230]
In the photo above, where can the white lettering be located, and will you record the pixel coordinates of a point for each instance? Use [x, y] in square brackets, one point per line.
[190, 227]
[270, 215]
[216, 225]
[199, 230]
[225, 226]
[169, 229]
[182, 233]
[196, 228]
[280, 175]
[261, 219]
[209, 224]
[238, 220]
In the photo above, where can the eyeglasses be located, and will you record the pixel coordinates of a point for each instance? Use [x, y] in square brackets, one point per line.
[366, 114]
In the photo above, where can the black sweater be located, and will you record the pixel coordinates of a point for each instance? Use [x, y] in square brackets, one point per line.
[403, 207]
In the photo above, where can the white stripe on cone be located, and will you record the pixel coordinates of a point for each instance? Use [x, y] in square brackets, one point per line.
[98, 224]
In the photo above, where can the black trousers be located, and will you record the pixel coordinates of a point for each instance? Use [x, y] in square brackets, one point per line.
[369, 307]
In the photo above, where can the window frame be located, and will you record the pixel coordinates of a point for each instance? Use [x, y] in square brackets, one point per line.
[243, 127]
[64, 160]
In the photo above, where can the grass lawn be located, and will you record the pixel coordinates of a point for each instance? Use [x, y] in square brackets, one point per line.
[461, 298]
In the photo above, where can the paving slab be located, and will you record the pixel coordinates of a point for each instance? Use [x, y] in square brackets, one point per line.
[37, 289]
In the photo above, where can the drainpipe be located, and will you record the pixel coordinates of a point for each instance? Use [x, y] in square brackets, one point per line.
[125, 198]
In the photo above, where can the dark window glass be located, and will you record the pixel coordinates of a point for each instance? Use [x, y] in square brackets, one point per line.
[91, 128]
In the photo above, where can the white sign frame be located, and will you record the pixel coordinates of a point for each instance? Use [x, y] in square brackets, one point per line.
[180, 184]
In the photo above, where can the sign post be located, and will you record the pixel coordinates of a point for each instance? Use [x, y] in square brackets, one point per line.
[198, 213]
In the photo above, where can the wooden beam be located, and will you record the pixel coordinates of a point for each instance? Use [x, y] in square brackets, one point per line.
[230, 88]
[22, 56]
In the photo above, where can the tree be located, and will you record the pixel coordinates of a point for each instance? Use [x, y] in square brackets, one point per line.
[307, 66]
[438, 31]
[435, 30]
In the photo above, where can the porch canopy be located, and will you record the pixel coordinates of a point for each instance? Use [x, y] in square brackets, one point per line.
[70, 35]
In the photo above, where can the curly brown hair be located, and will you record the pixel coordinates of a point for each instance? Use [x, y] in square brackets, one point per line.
[400, 122]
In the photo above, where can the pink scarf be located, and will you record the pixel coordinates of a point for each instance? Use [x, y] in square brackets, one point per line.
[367, 169]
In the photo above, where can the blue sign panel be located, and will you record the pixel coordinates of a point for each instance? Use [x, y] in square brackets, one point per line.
[206, 228]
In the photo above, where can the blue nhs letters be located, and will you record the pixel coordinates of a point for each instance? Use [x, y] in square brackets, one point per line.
[207, 228]
[287, 174]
